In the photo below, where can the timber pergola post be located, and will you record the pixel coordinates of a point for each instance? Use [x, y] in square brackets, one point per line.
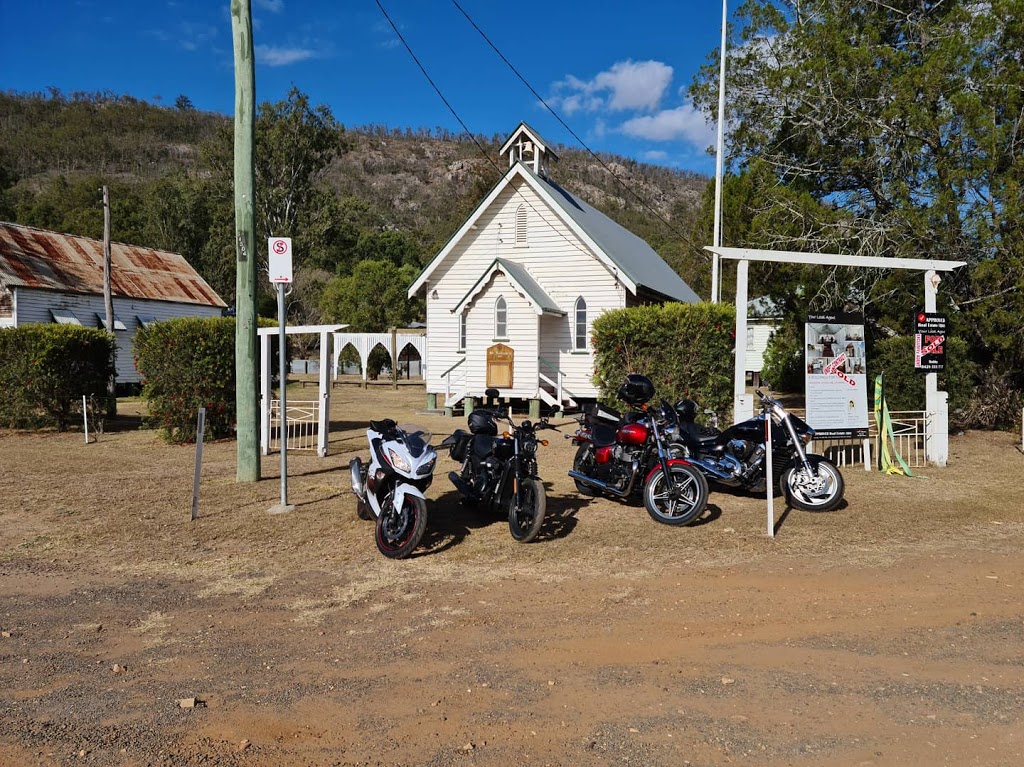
[936, 443]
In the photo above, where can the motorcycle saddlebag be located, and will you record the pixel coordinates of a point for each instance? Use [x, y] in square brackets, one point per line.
[460, 449]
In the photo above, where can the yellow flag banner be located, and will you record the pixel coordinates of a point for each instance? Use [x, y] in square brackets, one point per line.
[883, 423]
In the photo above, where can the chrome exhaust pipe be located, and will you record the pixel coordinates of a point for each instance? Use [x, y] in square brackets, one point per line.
[355, 468]
[604, 486]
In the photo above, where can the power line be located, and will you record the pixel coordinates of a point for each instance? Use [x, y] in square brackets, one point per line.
[565, 125]
[451, 109]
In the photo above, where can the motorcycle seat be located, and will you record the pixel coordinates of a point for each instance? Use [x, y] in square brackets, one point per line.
[383, 426]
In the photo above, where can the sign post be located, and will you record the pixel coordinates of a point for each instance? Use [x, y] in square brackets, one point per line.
[280, 267]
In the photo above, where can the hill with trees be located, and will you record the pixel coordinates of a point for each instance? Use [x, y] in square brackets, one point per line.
[345, 195]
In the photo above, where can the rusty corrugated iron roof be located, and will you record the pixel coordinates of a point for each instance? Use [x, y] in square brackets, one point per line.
[37, 258]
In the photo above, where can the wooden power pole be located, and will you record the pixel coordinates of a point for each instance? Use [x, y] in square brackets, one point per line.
[108, 299]
[247, 401]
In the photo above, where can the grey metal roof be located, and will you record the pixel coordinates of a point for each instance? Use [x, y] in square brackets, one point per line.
[518, 273]
[634, 257]
[521, 279]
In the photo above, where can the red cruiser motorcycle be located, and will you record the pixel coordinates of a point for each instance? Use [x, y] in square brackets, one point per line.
[621, 455]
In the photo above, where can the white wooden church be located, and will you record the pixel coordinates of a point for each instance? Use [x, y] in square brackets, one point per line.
[512, 296]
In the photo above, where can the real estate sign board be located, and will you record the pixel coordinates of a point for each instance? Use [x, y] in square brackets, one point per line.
[836, 379]
[929, 342]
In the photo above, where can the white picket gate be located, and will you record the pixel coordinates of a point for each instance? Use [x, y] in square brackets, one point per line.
[303, 420]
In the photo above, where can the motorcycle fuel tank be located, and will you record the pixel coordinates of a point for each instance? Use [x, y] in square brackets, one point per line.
[632, 434]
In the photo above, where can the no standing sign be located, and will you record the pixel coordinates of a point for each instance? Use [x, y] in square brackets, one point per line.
[280, 262]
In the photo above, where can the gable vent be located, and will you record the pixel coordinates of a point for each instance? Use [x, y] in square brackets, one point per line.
[521, 226]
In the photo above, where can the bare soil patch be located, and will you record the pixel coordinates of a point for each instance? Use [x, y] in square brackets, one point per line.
[887, 632]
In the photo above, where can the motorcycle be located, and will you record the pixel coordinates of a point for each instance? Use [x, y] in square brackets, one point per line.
[620, 454]
[391, 487]
[501, 472]
[736, 457]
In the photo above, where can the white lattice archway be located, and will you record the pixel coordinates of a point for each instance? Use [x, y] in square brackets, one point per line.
[393, 343]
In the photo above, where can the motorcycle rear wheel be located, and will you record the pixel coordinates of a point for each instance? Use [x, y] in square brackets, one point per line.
[399, 531]
[680, 504]
[525, 522]
[822, 491]
[584, 464]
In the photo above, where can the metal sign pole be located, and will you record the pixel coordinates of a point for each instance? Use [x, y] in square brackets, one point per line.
[200, 433]
[769, 473]
[280, 267]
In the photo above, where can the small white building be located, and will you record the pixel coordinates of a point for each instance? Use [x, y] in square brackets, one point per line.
[512, 297]
[50, 277]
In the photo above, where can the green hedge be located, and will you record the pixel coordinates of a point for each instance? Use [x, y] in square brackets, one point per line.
[45, 370]
[189, 363]
[685, 349]
[186, 364]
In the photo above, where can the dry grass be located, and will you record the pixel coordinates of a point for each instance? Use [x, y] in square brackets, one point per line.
[124, 502]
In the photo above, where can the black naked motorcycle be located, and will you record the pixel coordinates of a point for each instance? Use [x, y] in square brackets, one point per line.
[736, 457]
[624, 454]
[501, 472]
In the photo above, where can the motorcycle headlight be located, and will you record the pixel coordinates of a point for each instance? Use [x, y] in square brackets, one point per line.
[427, 467]
[529, 447]
[397, 461]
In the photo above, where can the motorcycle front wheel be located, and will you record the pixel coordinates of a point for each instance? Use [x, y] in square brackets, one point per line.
[820, 489]
[679, 501]
[399, 531]
[584, 464]
[525, 520]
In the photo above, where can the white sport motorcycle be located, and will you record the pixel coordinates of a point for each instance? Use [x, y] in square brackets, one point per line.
[391, 487]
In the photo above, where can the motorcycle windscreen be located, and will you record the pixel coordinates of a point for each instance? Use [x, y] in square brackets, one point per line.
[417, 439]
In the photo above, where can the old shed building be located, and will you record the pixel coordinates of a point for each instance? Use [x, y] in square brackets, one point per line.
[50, 277]
[512, 297]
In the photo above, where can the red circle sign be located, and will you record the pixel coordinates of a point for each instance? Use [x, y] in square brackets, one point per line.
[280, 247]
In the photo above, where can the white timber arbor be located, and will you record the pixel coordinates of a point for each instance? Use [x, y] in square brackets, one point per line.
[324, 399]
[937, 441]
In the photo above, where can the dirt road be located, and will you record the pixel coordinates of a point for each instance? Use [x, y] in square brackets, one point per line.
[888, 632]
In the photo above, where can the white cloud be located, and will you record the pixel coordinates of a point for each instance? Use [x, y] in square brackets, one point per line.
[683, 122]
[627, 85]
[281, 57]
[655, 155]
[274, 6]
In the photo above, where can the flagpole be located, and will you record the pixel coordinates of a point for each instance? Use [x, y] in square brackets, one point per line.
[716, 237]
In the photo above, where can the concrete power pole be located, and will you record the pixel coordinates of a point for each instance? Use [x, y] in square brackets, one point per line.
[108, 298]
[246, 393]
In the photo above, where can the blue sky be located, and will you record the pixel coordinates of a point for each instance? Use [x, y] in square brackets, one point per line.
[616, 72]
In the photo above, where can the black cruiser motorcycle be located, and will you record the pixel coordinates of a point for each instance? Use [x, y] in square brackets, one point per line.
[736, 457]
[501, 472]
[625, 454]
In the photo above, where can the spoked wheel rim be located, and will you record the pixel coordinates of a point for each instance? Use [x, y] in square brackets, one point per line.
[814, 489]
[679, 501]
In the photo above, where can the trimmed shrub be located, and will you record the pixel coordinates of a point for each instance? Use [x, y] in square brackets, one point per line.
[45, 370]
[685, 349]
[186, 364]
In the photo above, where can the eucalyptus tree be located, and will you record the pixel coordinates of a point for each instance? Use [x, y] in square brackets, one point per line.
[904, 121]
